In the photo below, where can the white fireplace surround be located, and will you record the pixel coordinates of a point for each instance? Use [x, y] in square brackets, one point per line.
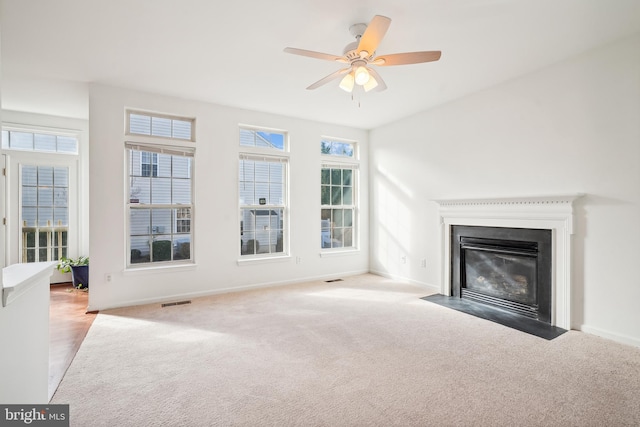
[553, 213]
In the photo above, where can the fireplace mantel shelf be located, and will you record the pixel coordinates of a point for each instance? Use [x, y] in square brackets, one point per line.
[531, 200]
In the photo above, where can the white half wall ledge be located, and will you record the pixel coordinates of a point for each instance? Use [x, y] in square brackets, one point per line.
[550, 212]
[18, 279]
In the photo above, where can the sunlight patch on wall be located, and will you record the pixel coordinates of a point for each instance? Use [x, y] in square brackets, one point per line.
[393, 223]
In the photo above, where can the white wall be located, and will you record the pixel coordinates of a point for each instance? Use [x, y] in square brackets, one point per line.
[573, 127]
[217, 228]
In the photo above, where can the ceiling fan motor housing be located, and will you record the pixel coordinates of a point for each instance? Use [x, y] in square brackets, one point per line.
[351, 50]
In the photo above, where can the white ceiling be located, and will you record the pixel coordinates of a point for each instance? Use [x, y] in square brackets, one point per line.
[231, 52]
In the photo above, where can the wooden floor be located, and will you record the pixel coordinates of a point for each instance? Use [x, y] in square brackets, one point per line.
[68, 325]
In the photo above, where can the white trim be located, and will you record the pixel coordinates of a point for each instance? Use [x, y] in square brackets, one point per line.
[553, 213]
[169, 150]
[152, 115]
[355, 144]
[160, 268]
[263, 259]
[23, 127]
[334, 252]
[623, 339]
[355, 205]
[285, 207]
[255, 149]
[429, 287]
[227, 290]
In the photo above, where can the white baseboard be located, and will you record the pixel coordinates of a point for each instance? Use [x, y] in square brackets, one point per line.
[429, 288]
[622, 339]
[190, 295]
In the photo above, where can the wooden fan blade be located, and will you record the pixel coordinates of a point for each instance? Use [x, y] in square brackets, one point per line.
[381, 84]
[374, 33]
[313, 54]
[407, 58]
[330, 77]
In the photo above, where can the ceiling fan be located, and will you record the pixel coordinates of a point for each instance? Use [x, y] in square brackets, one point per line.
[360, 56]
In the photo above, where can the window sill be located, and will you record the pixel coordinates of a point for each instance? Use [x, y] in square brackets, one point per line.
[340, 252]
[264, 260]
[146, 269]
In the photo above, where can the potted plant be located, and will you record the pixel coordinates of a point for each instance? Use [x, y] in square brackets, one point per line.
[79, 268]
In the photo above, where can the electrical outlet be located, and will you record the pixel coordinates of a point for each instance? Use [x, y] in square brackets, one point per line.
[404, 259]
[107, 277]
[423, 263]
[298, 260]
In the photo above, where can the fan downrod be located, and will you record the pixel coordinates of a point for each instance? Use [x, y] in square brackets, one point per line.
[350, 50]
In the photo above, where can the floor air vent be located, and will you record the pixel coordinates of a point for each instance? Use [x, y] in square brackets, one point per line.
[333, 280]
[170, 304]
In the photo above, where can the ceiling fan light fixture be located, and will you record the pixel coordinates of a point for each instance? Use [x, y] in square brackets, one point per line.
[371, 84]
[362, 75]
[346, 83]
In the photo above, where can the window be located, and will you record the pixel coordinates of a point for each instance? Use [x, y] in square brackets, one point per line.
[263, 139]
[39, 142]
[262, 190]
[338, 196]
[45, 212]
[160, 203]
[164, 126]
[337, 148]
[338, 206]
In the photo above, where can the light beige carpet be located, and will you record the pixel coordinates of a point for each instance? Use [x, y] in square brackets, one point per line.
[366, 351]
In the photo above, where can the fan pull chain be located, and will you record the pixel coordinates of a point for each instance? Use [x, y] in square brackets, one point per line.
[354, 98]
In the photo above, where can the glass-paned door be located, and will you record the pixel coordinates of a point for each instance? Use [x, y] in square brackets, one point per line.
[42, 208]
[44, 212]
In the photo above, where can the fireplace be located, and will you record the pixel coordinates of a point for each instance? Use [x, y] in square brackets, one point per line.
[504, 268]
[555, 214]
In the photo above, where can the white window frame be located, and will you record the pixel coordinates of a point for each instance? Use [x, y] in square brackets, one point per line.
[270, 155]
[332, 161]
[51, 230]
[32, 157]
[42, 130]
[156, 144]
[353, 144]
[152, 116]
[131, 205]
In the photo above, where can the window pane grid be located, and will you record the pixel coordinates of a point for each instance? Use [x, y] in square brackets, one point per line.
[337, 148]
[45, 212]
[337, 207]
[166, 127]
[39, 142]
[262, 210]
[262, 139]
[160, 210]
